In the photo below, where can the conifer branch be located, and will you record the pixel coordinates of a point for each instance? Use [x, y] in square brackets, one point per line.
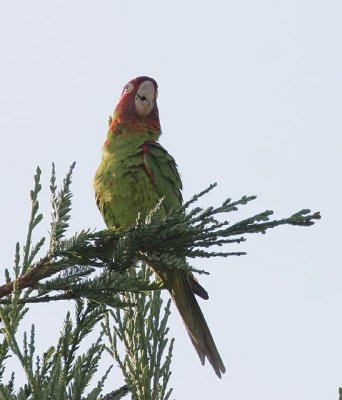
[35, 218]
[61, 373]
[99, 271]
[117, 394]
[70, 263]
[144, 332]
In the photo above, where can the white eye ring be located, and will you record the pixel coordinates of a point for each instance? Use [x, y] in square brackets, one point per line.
[128, 88]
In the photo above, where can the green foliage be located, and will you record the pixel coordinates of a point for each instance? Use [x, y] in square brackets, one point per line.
[101, 271]
[92, 264]
[61, 206]
[61, 373]
[143, 331]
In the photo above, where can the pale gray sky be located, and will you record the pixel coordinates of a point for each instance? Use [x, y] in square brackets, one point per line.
[250, 97]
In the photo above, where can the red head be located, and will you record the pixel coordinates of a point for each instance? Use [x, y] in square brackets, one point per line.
[138, 102]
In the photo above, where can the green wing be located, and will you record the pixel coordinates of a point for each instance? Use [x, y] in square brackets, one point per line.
[163, 173]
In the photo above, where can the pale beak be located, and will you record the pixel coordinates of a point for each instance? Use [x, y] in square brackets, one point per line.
[144, 98]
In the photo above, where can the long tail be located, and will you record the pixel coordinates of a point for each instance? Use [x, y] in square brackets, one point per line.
[182, 293]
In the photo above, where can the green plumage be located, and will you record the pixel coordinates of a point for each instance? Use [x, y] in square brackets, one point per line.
[135, 173]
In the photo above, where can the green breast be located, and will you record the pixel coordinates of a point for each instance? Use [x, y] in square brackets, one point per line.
[122, 186]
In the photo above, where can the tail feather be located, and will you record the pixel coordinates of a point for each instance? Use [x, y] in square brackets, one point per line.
[196, 325]
[197, 288]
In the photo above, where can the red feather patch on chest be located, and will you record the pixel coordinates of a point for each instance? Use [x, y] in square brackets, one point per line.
[145, 149]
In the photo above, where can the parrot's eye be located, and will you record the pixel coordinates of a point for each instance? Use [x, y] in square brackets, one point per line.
[128, 88]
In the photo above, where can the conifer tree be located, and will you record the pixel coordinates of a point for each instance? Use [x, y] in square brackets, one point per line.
[106, 275]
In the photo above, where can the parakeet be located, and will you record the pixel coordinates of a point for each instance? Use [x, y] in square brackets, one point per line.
[133, 176]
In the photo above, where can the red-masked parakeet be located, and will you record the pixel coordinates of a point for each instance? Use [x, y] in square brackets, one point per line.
[134, 174]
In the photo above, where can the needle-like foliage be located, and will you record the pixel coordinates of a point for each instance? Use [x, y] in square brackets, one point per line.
[143, 331]
[106, 274]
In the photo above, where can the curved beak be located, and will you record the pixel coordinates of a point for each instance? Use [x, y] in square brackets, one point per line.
[145, 98]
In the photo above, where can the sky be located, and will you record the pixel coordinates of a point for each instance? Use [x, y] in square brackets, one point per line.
[250, 98]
